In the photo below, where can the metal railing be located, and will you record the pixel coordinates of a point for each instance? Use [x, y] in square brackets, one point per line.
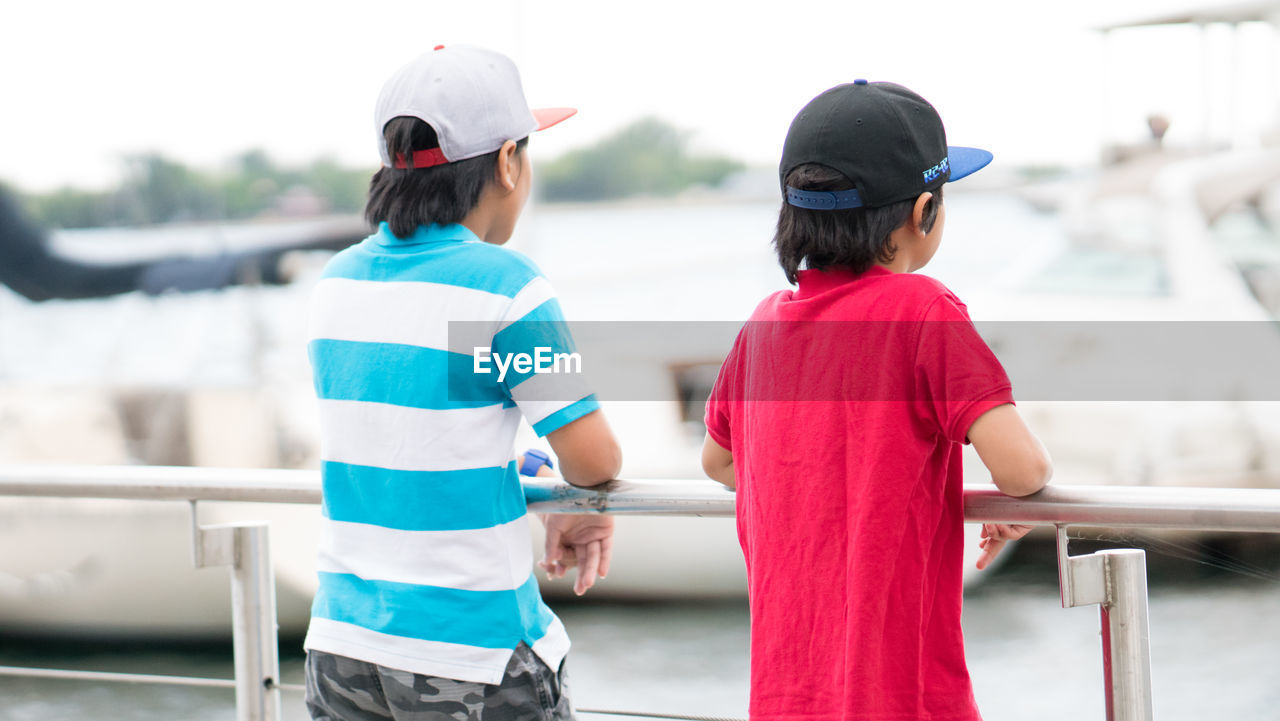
[1115, 580]
[1195, 509]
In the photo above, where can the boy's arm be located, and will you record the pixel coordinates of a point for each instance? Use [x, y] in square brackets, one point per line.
[717, 462]
[587, 450]
[1018, 461]
[1019, 466]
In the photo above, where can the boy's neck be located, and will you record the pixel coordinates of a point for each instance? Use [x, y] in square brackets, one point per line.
[485, 219]
[493, 219]
[896, 266]
[915, 242]
[913, 250]
[478, 224]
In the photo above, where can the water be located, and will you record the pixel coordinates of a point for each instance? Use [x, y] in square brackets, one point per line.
[1215, 655]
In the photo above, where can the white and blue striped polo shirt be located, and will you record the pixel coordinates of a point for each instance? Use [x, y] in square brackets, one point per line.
[425, 561]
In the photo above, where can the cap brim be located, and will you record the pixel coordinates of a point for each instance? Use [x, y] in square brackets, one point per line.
[966, 161]
[547, 117]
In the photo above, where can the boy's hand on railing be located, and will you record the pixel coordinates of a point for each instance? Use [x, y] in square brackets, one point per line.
[582, 540]
[994, 536]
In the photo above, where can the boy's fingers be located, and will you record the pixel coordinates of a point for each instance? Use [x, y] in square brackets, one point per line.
[587, 568]
[989, 552]
[1003, 531]
[553, 544]
[548, 567]
[592, 565]
[606, 554]
[582, 570]
[568, 557]
[567, 560]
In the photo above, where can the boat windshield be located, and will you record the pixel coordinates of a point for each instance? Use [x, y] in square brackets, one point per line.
[1101, 271]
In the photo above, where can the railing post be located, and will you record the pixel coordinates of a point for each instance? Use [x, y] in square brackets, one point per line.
[1116, 580]
[245, 548]
[1126, 636]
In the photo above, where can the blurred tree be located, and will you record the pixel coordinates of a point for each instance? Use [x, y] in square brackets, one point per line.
[647, 157]
[157, 189]
[252, 186]
[74, 208]
[344, 188]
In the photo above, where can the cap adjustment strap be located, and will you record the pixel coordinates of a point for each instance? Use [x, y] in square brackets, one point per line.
[823, 199]
[423, 158]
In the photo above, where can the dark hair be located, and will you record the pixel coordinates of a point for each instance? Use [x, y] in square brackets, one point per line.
[405, 198]
[854, 238]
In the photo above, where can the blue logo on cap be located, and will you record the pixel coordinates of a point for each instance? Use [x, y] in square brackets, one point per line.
[936, 171]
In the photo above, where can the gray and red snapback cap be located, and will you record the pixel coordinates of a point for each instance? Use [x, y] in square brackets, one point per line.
[887, 140]
[471, 97]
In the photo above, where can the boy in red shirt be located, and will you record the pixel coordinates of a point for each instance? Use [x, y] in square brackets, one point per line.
[839, 417]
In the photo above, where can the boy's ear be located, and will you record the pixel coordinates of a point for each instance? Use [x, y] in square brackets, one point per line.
[917, 213]
[508, 168]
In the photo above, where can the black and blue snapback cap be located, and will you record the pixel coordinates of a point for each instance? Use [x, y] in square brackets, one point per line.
[887, 140]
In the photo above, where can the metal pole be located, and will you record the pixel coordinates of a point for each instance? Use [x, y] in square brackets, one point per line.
[1126, 636]
[253, 612]
[1194, 509]
[1116, 580]
[245, 547]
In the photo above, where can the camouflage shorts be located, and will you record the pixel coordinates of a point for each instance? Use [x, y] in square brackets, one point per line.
[344, 689]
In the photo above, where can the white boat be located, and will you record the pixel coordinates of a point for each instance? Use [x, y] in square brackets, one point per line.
[220, 379]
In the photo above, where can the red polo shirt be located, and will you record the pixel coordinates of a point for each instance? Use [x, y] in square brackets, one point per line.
[844, 404]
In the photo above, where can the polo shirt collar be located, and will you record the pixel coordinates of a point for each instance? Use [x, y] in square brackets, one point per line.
[814, 282]
[434, 233]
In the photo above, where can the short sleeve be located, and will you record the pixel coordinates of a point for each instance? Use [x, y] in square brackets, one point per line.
[717, 418]
[958, 378]
[537, 359]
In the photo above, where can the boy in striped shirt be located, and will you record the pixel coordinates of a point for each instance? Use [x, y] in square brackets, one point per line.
[427, 601]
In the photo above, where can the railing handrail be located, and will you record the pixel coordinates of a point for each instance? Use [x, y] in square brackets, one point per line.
[1115, 580]
[161, 483]
[1200, 509]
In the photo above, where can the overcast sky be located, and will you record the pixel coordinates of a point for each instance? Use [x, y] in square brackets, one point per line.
[87, 82]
